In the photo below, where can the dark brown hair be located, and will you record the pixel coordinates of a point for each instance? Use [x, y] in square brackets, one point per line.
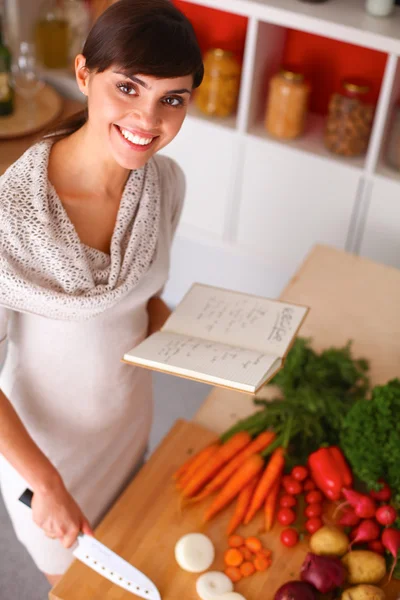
[151, 37]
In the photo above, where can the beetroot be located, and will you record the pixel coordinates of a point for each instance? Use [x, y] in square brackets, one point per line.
[325, 573]
[296, 590]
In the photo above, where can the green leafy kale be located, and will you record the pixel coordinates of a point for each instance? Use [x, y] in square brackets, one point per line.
[370, 437]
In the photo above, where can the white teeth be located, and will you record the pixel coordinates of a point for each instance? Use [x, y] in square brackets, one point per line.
[135, 139]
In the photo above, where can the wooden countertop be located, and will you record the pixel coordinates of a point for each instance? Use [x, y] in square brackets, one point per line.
[11, 150]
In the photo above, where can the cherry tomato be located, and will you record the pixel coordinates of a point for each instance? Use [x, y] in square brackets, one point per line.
[292, 486]
[300, 473]
[286, 516]
[313, 524]
[314, 497]
[313, 510]
[289, 537]
[287, 501]
[309, 485]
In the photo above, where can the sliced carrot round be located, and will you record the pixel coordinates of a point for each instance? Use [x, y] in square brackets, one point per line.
[264, 552]
[233, 573]
[261, 563]
[247, 554]
[233, 557]
[234, 541]
[253, 544]
[247, 568]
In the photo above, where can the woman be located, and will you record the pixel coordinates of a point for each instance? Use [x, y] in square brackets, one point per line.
[87, 218]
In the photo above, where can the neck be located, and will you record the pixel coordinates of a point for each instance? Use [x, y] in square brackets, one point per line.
[98, 173]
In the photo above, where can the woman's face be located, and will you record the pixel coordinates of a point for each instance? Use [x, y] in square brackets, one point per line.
[131, 115]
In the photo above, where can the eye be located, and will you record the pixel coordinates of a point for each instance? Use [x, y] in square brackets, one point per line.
[127, 88]
[174, 101]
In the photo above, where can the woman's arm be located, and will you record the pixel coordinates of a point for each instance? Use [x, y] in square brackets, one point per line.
[158, 313]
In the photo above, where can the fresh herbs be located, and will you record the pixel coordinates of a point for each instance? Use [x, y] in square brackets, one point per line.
[318, 389]
[371, 437]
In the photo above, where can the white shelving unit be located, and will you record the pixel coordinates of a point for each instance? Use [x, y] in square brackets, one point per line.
[260, 202]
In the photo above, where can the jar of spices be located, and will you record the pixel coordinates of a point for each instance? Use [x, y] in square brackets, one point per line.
[217, 95]
[379, 8]
[393, 148]
[350, 117]
[287, 104]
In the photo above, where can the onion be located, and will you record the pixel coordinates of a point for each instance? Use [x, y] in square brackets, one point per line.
[296, 590]
[325, 573]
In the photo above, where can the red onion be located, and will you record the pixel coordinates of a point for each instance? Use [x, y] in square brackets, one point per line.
[325, 573]
[296, 590]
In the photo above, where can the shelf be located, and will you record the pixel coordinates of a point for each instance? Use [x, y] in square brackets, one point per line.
[387, 173]
[311, 142]
[226, 122]
[344, 20]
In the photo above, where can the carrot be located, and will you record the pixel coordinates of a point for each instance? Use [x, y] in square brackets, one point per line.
[235, 541]
[247, 568]
[233, 573]
[264, 552]
[199, 460]
[242, 505]
[253, 544]
[224, 454]
[261, 563]
[261, 442]
[236, 483]
[189, 462]
[233, 557]
[270, 505]
[247, 555]
[267, 480]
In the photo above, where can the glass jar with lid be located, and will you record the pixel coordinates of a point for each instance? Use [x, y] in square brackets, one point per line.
[287, 104]
[52, 35]
[217, 95]
[350, 116]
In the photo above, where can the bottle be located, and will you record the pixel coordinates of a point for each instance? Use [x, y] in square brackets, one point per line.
[218, 94]
[6, 91]
[287, 104]
[78, 17]
[379, 8]
[52, 35]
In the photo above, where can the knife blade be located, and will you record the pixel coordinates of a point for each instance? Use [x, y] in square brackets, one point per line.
[107, 563]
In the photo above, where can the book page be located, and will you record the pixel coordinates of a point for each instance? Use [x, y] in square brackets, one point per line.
[203, 358]
[238, 319]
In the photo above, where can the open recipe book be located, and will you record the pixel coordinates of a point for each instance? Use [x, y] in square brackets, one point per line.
[224, 338]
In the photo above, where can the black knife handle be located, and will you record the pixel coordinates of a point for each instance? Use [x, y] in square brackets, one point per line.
[26, 498]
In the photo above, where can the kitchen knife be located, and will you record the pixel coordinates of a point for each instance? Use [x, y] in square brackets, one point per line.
[108, 564]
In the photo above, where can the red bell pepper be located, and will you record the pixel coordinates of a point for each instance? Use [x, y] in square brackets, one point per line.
[330, 471]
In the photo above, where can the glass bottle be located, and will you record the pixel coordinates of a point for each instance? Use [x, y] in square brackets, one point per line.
[78, 17]
[287, 104]
[379, 8]
[219, 91]
[349, 121]
[52, 35]
[6, 90]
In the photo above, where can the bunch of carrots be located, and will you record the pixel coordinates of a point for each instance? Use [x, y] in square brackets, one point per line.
[244, 465]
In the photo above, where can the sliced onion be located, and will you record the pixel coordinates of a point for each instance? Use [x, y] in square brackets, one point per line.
[211, 585]
[194, 552]
[231, 596]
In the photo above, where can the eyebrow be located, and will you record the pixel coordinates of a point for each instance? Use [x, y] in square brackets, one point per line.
[147, 87]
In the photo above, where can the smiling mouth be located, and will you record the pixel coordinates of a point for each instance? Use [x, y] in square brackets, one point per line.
[134, 139]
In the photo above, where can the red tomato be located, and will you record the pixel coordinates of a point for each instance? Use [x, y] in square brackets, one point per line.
[289, 537]
[313, 510]
[309, 485]
[300, 473]
[313, 524]
[286, 516]
[287, 501]
[292, 486]
[314, 497]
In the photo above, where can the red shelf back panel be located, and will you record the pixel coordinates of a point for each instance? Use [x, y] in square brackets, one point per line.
[216, 28]
[327, 62]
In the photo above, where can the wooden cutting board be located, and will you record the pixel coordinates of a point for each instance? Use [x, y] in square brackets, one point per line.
[145, 523]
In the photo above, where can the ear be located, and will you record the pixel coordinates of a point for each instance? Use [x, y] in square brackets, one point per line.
[82, 74]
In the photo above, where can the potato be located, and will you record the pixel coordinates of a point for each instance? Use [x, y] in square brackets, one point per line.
[329, 541]
[364, 566]
[363, 592]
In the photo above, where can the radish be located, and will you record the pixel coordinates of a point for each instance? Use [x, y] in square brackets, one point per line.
[349, 518]
[376, 546]
[391, 540]
[363, 505]
[386, 515]
[367, 531]
[383, 495]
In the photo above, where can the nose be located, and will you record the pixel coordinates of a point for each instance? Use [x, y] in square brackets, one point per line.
[147, 116]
